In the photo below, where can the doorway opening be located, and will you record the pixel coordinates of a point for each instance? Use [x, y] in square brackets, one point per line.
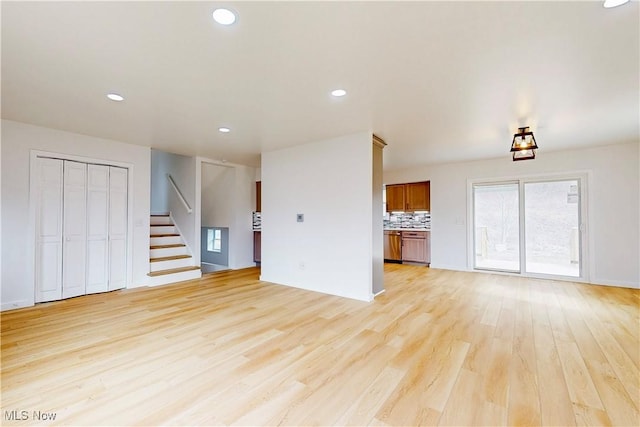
[217, 216]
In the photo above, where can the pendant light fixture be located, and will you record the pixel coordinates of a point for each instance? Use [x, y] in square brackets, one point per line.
[524, 145]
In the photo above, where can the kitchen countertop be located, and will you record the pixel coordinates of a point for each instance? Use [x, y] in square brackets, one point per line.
[406, 229]
[385, 229]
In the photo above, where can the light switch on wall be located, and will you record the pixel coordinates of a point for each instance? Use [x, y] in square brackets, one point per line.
[300, 217]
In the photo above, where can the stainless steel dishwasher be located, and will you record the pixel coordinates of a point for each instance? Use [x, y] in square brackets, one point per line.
[392, 246]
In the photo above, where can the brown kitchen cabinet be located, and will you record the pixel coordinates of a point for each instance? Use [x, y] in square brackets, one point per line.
[395, 197]
[417, 196]
[258, 196]
[409, 197]
[257, 246]
[416, 246]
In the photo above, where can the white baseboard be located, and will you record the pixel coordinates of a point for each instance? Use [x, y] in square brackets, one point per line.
[277, 281]
[616, 283]
[602, 282]
[16, 304]
[447, 267]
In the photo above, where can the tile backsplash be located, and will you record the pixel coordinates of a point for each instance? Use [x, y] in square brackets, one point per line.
[408, 220]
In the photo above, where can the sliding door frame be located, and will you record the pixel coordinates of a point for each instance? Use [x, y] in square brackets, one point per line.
[585, 241]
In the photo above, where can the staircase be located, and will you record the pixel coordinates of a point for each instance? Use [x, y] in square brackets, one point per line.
[169, 258]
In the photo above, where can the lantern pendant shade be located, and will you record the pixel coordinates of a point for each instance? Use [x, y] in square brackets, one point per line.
[524, 145]
[524, 155]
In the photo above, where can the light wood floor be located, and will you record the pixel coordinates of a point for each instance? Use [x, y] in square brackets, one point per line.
[438, 348]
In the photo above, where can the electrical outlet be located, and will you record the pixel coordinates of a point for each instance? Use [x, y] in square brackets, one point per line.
[300, 217]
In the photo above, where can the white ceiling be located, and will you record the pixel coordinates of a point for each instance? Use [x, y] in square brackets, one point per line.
[439, 81]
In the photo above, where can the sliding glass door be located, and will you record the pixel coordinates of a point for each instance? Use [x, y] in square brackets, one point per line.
[552, 224]
[497, 239]
[528, 226]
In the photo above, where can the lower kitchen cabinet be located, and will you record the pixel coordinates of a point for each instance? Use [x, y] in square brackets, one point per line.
[257, 246]
[416, 246]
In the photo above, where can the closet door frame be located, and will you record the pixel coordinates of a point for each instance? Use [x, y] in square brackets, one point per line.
[33, 202]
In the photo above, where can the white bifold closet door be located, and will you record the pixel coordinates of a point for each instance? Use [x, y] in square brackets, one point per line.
[117, 227]
[97, 229]
[81, 228]
[74, 229]
[48, 256]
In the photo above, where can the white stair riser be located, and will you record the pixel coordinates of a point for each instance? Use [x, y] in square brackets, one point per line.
[175, 277]
[165, 229]
[173, 263]
[165, 240]
[160, 220]
[159, 253]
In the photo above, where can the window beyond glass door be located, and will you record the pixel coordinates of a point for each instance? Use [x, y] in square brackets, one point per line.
[552, 224]
[497, 228]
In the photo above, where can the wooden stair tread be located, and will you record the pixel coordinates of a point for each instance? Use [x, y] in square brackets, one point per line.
[160, 215]
[164, 235]
[169, 258]
[175, 245]
[172, 270]
[161, 225]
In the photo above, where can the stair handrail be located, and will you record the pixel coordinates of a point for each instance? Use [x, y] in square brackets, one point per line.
[179, 193]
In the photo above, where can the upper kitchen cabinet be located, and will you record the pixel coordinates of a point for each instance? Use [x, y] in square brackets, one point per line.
[417, 196]
[408, 197]
[395, 197]
[258, 196]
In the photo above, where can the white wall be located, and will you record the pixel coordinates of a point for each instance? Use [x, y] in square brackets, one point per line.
[377, 221]
[330, 183]
[0, 220]
[240, 200]
[613, 205]
[218, 185]
[18, 140]
[159, 184]
[164, 198]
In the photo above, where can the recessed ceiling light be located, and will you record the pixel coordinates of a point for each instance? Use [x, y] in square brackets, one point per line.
[338, 92]
[613, 3]
[224, 16]
[224, 130]
[115, 97]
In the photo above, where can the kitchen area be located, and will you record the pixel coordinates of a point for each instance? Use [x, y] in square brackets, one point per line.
[407, 223]
[257, 225]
